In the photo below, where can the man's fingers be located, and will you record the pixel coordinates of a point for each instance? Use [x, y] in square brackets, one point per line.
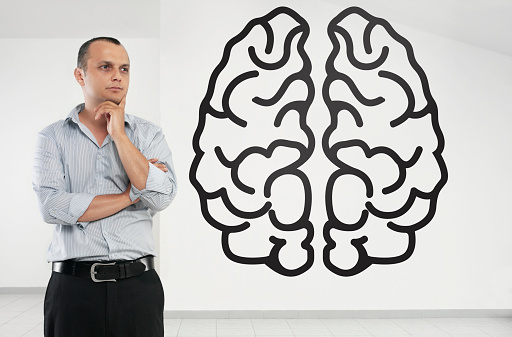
[108, 106]
[160, 166]
[163, 167]
[103, 104]
[102, 109]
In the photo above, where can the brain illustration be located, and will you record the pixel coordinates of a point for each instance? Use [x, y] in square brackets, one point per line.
[253, 145]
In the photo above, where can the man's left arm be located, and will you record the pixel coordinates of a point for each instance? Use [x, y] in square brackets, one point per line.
[155, 188]
[160, 186]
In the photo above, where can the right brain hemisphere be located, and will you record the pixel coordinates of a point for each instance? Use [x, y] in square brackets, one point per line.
[385, 140]
[251, 141]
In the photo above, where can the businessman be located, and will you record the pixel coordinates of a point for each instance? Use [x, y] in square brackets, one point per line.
[100, 175]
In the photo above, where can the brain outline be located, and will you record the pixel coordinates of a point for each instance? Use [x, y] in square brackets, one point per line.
[293, 169]
[335, 107]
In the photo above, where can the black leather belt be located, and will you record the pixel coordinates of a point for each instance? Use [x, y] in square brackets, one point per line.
[104, 271]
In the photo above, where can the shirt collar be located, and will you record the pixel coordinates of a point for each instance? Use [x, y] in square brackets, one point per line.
[73, 115]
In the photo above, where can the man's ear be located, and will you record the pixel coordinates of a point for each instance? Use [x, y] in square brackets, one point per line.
[79, 76]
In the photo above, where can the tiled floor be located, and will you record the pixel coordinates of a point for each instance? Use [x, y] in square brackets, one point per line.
[21, 315]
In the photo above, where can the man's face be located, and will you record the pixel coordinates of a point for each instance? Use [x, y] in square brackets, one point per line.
[107, 76]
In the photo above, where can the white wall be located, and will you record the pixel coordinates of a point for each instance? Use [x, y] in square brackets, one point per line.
[461, 260]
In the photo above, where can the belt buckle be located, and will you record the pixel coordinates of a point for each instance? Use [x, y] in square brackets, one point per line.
[94, 272]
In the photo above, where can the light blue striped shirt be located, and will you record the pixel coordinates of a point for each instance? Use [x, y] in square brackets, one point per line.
[71, 168]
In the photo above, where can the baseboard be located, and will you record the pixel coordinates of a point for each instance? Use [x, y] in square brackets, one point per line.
[333, 314]
[22, 290]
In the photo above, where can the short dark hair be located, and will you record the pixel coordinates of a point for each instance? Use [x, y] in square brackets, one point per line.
[84, 49]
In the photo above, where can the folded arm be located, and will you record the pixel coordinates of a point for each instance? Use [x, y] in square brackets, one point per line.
[58, 206]
[106, 205]
[161, 184]
[155, 188]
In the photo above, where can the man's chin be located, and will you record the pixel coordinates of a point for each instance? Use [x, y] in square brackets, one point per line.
[115, 99]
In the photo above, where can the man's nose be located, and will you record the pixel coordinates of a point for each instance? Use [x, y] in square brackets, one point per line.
[116, 75]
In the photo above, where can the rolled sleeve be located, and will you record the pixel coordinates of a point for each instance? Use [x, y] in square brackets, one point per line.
[160, 189]
[57, 206]
[63, 208]
[158, 181]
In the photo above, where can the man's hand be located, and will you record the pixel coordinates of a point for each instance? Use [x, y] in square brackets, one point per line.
[161, 166]
[114, 114]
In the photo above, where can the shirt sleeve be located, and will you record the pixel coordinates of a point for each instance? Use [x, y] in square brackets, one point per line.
[56, 205]
[161, 187]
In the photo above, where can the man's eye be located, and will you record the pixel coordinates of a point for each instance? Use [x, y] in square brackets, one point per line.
[125, 69]
[104, 66]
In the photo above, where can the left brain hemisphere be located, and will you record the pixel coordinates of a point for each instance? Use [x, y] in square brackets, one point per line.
[251, 141]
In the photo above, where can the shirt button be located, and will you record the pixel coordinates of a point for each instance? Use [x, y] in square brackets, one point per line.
[100, 183]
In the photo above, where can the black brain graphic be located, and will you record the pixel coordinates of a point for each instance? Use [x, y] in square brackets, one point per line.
[253, 143]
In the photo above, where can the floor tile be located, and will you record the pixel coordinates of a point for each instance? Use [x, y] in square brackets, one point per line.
[37, 331]
[273, 332]
[197, 331]
[504, 320]
[30, 316]
[10, 314]
[198, 323]
[270, 324]
[418, 327]
[234, 324]
[319, 331]
[235, 332]
[5, 299]
[430, 334]
[24, 303]
[15, 330]
[171, 327]
[305, 323]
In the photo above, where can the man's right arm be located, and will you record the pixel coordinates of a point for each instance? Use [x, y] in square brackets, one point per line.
[103, 206]
[60, 207]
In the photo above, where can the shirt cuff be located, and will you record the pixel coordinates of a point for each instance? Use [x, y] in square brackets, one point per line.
[135, 193]
[77, 207]
[156, 182]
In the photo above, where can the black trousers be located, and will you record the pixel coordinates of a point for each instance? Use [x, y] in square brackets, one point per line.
[79, 307]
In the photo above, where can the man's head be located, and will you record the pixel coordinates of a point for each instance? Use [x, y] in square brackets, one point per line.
[103, 70]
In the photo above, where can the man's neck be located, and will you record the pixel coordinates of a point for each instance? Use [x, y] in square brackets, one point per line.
[97, 127]
[87, 116]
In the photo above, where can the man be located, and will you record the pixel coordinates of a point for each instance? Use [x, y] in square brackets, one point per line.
[100, 175]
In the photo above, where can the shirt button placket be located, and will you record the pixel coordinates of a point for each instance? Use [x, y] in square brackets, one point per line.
[99, 175]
